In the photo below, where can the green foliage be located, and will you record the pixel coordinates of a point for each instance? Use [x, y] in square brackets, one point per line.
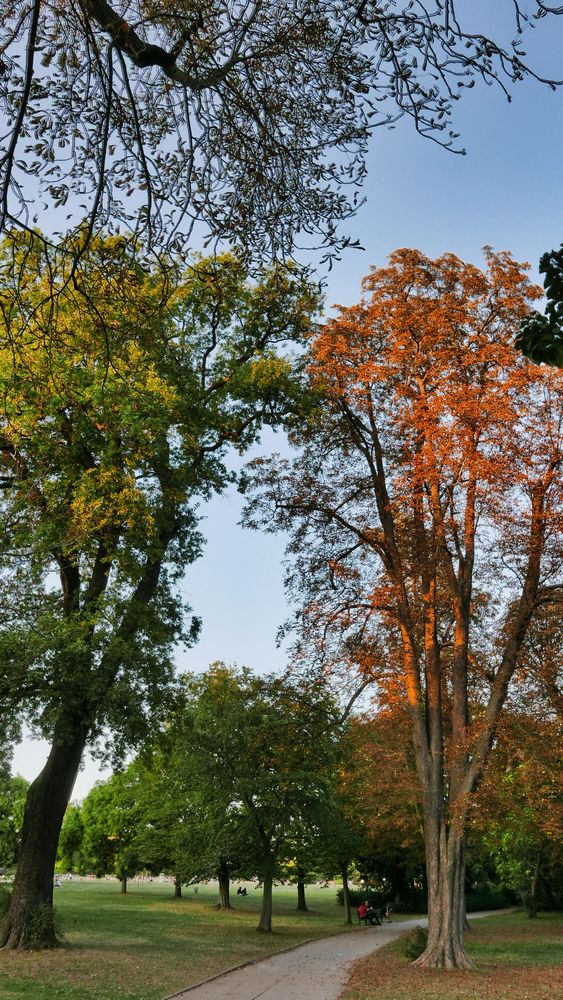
[123, 390]
[13, 792]
[5, 896]
[69, 852]
[541, 337]
[110, 816]
[487, 897]
[414, 943]
[251, 761]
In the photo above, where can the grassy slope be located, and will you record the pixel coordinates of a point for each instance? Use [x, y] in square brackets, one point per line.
[146, 944]
[517, 959]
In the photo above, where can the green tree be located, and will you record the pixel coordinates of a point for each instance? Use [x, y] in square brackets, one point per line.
[541, 335]
[261, 753]
[121, 397]
[69, 851]
[110, 816]
[13, 791]
[248, 117]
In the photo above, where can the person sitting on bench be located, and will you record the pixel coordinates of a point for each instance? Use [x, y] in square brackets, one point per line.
[363, 913]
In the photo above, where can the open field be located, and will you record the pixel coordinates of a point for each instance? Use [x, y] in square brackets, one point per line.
[517, 958]
[146, 944]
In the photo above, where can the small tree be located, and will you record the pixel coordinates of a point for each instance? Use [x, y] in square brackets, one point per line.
[69, 851]
[110, 818]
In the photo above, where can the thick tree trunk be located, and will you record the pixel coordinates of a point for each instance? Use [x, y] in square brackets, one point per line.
[224, 889]
[445, 862]
[177, 887]
[346, 895]
[47, 799]
[123, 885]
[265, 922]
[301, 902]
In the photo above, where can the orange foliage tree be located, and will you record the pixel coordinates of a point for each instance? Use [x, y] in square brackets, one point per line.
[427, 523]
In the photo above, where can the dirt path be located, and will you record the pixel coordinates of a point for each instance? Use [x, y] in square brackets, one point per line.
[318, 970]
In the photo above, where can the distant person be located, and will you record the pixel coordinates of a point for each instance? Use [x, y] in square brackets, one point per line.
[363, 913]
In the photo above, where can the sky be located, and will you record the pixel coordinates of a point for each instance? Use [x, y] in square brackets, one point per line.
[507, 193]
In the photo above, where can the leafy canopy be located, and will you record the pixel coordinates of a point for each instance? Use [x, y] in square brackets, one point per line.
[251, 118]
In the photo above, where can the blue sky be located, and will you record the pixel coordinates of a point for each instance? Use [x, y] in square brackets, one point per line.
[506, 192]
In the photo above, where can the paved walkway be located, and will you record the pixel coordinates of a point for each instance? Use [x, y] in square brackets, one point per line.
[314, 971]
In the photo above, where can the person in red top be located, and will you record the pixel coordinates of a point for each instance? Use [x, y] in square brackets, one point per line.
[362, 913]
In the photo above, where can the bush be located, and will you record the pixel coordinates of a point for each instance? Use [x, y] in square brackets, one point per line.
[413, 944]
[487, 898]
[5, 896]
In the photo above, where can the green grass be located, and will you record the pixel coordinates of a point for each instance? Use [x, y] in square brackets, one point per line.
[517, 959]
[146, 944]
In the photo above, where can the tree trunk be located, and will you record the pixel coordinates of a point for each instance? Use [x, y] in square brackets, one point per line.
[47, 799]
[445, 862]
[123, 887]
[224, 888]
[265, 923]
[301, 902]
[346, 895]
[177, 887]
[533, 898]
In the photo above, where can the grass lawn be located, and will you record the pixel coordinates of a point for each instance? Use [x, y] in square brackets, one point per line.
[517, 959]
[146, 944]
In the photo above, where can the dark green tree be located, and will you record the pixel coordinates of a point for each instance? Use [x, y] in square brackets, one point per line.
[69, 852]
[261, 753]
[110, 816]
[541, 334]
[13, 791]
[121, 397]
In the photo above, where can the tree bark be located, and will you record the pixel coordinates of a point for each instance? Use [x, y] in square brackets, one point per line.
[445, 862]
[123, 885]
[301, 902]
[177, 887]
[346, 895]
[224, 888]
[533, 898]
[265, 922]
[47, 799]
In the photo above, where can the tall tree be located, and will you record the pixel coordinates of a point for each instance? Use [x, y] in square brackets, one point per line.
[125, 395]
[250, 117]
[426, 514]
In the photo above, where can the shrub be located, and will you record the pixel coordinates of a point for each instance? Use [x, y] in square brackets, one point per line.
[5, 896]
[413, 944]
[486, 898]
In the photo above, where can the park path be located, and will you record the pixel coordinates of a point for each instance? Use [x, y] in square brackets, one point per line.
[317, 970]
